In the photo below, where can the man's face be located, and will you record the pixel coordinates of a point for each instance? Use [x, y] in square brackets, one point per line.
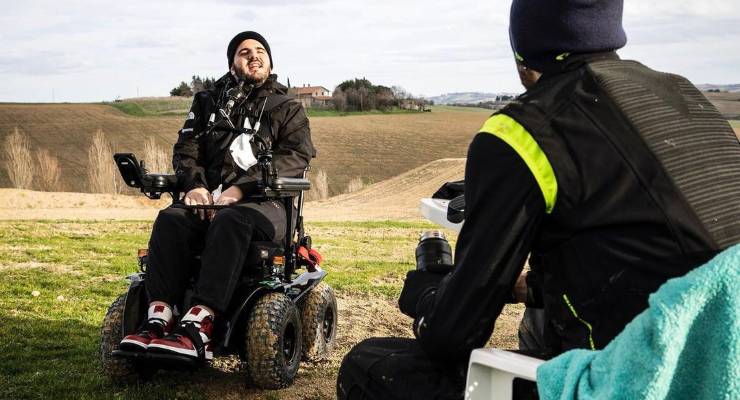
[527, 76]
[251, 62]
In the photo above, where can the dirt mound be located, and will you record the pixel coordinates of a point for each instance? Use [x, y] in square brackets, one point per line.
[28, 204]
[394, 199]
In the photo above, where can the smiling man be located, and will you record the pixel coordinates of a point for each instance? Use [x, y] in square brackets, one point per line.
[210, 173]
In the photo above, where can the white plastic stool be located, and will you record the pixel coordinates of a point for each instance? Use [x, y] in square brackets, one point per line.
[491, 373]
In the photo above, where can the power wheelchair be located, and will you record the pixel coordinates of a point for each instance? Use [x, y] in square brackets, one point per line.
[277, 315]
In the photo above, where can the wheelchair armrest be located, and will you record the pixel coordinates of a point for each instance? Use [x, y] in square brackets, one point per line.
[290, 184]
[491, 373]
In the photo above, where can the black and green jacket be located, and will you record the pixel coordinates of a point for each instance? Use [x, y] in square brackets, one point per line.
[614, 177]
[204, 160]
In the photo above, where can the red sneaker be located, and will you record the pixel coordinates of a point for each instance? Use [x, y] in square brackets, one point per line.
[190, 338]
[156, 326]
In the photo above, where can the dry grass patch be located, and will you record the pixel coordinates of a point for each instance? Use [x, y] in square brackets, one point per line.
[355, 185]
[102, 174]
[18, 161]
[49, 175]
[157, 159]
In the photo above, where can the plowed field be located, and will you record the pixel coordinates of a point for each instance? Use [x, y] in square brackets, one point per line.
[374, 147]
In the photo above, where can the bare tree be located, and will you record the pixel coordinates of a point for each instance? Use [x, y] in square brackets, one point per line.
[19, 162]
[399, 93]
[355, 185]
[363, 92]
[353, 99]
[156, 157]
[339, 99]
[49, 173]
[101, 170]
[319, 185]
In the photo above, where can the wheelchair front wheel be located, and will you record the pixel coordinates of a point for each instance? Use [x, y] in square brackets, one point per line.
[272, 342]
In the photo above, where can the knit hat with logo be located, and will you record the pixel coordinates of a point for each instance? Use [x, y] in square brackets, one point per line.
[239, 38]
[544, 33]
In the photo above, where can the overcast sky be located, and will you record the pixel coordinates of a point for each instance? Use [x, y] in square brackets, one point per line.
[85, 51]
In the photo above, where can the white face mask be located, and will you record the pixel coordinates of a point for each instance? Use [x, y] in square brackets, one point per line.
[241, 151]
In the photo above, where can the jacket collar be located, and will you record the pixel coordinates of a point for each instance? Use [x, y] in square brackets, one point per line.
[575, 61]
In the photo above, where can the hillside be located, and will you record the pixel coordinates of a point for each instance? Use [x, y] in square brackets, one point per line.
[396, 198]
[727, 103]
[733, 87]
[393, 199]
[466, 97]
[373, 147]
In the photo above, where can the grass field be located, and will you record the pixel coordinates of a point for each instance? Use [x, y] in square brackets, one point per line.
[154, 107]
[735, 123]
[49, 342]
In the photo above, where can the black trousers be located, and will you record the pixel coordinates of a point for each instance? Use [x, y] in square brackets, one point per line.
[179, 235]
[397, 368]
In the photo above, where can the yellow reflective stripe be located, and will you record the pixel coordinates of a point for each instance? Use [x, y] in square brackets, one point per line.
[562, 56]
[511, 132]
[588, 326]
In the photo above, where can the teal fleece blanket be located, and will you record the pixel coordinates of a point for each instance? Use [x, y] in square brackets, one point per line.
[686, 345]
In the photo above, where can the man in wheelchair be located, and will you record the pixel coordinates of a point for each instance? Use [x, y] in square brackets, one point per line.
[215, 165]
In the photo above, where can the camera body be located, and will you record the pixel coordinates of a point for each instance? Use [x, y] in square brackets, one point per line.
[433, 253]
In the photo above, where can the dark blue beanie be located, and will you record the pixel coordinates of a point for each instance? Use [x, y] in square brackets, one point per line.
[544, 33]
[239, 38]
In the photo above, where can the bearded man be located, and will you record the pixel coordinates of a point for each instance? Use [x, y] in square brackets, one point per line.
[210, 172]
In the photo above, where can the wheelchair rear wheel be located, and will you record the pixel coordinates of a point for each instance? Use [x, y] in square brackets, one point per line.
[319, 322]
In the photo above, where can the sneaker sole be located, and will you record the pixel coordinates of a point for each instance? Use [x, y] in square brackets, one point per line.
[128, 344]
[159, 348]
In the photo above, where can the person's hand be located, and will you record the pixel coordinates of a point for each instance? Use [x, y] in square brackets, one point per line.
[520, 288]
[417, 283]
[230, 195]
[196, 197]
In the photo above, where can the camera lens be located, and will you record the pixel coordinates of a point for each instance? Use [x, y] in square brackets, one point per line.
[433, 253]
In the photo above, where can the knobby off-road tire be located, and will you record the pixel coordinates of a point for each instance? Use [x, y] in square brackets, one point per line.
[319, 322]
[119, 370]
[272, 343]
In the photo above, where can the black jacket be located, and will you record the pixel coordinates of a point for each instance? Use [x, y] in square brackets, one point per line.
[204, 160]
[648, 182]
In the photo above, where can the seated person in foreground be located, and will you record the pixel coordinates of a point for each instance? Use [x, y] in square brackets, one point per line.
[615, 178]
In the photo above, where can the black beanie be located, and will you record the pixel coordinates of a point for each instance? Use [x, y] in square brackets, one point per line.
[239, 38]
[543, 33]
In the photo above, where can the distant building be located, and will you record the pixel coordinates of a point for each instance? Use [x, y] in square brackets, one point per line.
[412, 104]
[311, 96]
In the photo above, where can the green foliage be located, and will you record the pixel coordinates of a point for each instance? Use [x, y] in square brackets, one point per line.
[735, 123]
[183, 89]
[198, 84]
[361, 95]
[357, 84]
[49, 345]
[133, 109]
[154, 107]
